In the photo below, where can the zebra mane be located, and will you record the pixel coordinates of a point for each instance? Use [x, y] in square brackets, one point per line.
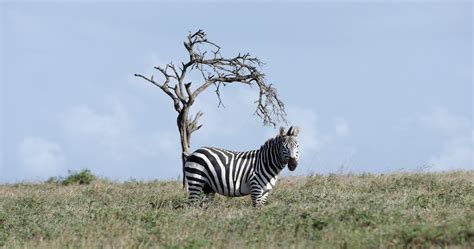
[270, 140]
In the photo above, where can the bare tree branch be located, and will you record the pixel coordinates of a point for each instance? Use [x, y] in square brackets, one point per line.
[193, 123]
[242, 68]
[165, 89]
[205, 57]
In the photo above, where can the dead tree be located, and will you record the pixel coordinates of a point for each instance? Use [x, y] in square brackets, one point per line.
[216, 70]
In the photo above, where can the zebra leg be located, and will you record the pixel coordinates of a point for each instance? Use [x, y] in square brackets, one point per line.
[263, 199]
[259, 201]
[256, 194]
[195, 189]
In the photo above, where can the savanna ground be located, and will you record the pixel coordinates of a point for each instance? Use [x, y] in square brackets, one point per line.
[335, 211]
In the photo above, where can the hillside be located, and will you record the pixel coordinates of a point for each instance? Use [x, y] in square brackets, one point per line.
[353, 211]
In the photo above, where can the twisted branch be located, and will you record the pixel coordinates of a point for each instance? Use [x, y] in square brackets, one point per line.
[205, 56]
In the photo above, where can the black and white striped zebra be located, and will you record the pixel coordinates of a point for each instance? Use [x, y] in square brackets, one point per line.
[211, 170]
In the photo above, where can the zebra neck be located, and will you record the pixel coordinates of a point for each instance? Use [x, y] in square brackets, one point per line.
[269, 161]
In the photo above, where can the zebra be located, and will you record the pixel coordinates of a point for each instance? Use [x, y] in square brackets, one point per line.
[212, 170]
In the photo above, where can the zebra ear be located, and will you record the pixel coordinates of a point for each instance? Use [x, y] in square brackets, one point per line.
[293, 131]
[282, 131]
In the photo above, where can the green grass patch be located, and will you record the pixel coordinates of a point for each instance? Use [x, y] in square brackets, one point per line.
[335, 211]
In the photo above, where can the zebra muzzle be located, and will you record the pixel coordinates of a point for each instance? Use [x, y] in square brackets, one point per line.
[292, 164]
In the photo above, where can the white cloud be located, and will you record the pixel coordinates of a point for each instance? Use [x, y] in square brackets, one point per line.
[457, 153]
[40, 158]
[233, 127]
[236, 128]
[110, 140]
[165, 143]
[121, 140]
[441, 120]
[310, 139]
[458, 140]
[341, 126]
[321, 150]
[114, 140]
[84, 124]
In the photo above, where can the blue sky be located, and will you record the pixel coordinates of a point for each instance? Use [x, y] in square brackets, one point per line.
[375, 87]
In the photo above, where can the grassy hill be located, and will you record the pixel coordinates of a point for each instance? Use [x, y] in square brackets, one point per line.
[349, 211]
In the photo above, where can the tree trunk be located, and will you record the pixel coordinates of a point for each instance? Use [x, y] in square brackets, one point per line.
[182, 122]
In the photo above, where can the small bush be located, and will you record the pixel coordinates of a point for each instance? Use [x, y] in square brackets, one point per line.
[53, 180]
[82, 177]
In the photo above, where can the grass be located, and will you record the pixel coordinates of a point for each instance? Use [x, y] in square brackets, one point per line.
[335, 211]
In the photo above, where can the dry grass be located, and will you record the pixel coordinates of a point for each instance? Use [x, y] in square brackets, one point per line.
[350, 211]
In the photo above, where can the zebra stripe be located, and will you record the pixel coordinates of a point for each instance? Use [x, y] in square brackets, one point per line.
[213, 170]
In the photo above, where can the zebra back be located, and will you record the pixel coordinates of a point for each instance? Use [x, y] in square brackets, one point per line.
[229, 172]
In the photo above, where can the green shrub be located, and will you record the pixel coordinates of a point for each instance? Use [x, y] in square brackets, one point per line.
[83, 177]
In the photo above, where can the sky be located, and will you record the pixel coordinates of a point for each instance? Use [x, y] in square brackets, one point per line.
[375, 87]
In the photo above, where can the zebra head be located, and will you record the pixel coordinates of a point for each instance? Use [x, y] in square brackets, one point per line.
[289, 149]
